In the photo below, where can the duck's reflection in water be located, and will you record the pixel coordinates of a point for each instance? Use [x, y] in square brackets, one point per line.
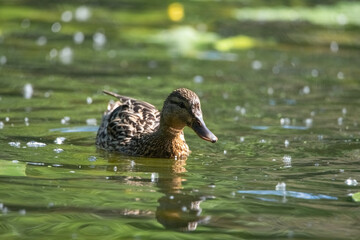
[177, 209]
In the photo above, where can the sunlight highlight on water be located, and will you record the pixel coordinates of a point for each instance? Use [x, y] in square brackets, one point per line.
[59, 140]
[293, 194]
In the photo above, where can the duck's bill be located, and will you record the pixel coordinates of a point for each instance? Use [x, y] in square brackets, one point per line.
[202, 131]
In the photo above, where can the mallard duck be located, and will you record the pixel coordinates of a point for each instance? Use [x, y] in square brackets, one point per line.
[137, 128]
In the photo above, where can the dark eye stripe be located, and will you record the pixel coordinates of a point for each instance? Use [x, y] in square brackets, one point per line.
[180, 104]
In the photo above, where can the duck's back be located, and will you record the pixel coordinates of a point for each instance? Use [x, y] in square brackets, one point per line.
[126, 121]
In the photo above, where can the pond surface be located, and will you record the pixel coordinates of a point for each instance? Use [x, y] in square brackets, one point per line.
[279, 86]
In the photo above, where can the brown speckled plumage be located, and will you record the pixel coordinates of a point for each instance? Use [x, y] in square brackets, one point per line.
[137, 128]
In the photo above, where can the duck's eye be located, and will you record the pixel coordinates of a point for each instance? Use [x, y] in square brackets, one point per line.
[182, 105]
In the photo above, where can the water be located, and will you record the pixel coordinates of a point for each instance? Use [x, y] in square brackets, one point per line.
[281, 94]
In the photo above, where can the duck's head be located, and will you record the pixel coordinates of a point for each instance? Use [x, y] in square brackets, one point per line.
[182, 108]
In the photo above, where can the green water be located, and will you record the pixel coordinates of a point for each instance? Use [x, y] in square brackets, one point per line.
[280, 92]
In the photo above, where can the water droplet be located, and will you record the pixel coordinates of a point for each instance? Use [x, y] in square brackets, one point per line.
[99, 40]
[225, 152]
[132, 163]
[306, 90]
[334, 47]
[281, 186]
[41, 41]
[287, 161]
[198, 79]
[66, 55]
[340, 75]
[66, 16]
[28, 91]
[171, 197]
[53, 53]
[89, 100]
[241, 110]
[3, 60]
[59, 140]
[58, 150]
[22, 212]
[82, 14]
[285, 121]
[79, 37]
[340, 121]
[56, 27]
[65, 120]
[256, 65]
[35, 144]
[15, 144]
[91, 122]
[270, 91]
[314, 73]
[351, 182]
[154, 177]
[308, 122]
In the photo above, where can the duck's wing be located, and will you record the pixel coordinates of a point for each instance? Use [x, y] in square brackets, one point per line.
[129, 118]
[133, 100]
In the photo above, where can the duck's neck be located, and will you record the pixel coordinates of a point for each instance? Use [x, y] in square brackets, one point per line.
[168, 142]
[170, 132]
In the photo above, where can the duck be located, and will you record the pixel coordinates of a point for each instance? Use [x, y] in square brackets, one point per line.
[136, 128]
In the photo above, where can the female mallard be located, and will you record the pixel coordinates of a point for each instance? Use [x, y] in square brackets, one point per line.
[137, 128]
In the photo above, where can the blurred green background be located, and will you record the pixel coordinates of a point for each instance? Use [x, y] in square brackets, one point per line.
[279, 86]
